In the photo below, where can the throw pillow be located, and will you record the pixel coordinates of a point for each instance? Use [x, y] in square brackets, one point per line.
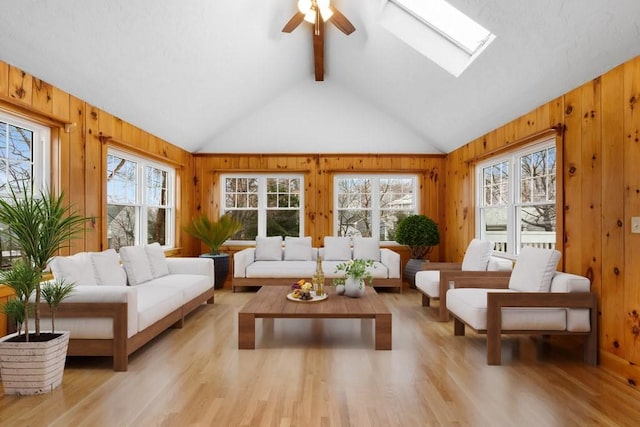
[75, 269]
[534, 270]
[477, 256]
[337, 248]
[136, 264]
[107, 269]
[269, 248]
[297, 249]
[366, 248]
[157, 260]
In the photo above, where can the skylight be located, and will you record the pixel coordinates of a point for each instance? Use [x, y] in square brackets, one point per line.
[437, 30]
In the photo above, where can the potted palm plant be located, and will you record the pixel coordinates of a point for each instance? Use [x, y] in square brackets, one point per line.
[214, 234]
[420, 234]
[39, 226]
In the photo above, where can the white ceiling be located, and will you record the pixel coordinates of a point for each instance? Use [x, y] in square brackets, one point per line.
[220, 76]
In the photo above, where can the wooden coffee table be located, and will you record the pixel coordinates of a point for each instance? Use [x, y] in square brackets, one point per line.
[271, 302]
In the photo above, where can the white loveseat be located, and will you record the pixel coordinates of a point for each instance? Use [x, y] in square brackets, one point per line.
[271, 263]
[534, 300]
[117, 308]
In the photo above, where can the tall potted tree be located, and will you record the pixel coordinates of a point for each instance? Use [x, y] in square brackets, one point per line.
[39, 226]
[420, 234]
[214, 234]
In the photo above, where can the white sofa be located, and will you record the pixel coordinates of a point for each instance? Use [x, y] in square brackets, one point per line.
[534, 300]
[116, 308]
[271, 263]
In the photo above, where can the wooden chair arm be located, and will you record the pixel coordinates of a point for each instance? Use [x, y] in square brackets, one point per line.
[441, 266]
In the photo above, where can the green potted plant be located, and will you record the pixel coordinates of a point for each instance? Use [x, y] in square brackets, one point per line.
[214, 234]
[39, 226]
[420, 234]
[355, 275]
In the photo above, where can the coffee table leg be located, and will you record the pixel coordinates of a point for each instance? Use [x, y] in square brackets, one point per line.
[246, 331]
[383, 331]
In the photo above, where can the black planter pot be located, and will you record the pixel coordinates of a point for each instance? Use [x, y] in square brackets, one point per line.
[220, 267]
[413, 266]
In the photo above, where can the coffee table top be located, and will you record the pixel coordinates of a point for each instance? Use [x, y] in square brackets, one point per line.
[271, 301]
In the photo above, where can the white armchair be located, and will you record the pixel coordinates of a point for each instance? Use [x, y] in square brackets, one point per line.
[535, 300]
[438, 277]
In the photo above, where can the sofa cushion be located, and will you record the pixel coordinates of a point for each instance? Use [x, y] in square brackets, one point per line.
[297, 248]
[337, 248]
[366, 248]
[190, 285]
[534, 270]
[157, 260]
[136, 264]
[74, 269]
[155, 302]
[107, 268]
[269, 248]
[470, 305]
[428, 281]
[476, 258]
[378, 270]
[499, 264]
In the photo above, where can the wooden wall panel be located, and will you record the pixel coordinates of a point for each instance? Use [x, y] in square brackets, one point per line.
[4, 79]
[631, 209]
[599, 190]
[612, 287]
[20, 86]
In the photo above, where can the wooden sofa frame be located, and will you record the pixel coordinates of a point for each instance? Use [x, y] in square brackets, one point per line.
[121, 346]
[496, 301]
[451, 272]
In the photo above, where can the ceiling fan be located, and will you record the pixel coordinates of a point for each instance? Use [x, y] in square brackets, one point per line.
[317, 12]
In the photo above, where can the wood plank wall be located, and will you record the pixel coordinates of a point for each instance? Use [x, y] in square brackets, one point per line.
[318, 171]
[79, 156]
[600, 186]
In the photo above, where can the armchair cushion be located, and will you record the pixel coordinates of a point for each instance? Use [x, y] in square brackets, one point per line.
[534, 270]
[297, 248]
[269, 248]
[337, 248]
[366, 248]
[476, 258]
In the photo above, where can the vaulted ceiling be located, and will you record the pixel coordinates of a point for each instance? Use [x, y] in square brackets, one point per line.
[220, 76]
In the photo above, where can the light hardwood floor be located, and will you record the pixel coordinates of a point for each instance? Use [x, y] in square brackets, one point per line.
[326, 373]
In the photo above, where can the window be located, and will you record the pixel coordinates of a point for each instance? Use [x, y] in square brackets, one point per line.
[140, 201]
[266, 205]
[24, 162]
[517, 199]
[371, 206]
[437, 30]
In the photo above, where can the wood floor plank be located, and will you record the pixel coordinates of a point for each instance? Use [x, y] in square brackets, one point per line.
[325, 372]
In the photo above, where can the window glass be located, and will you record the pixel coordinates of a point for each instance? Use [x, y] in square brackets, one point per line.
[24, 163]
[266, 205]
[139, 201]
[371, 206]
[519, 209]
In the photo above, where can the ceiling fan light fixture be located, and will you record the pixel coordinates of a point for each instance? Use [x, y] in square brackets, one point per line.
[304, 6]
[326, 13]
[310, 16]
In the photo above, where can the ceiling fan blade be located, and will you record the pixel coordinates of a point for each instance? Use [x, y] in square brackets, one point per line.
[318, 51]
[293, 22]
[341, 21]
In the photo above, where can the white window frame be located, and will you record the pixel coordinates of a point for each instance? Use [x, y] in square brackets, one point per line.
[376, 210]
[141, 204]
[262, 199]
[41, 150]
[514, 199]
